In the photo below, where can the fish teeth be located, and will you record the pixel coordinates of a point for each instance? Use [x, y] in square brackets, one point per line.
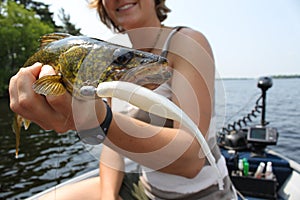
[125, 6]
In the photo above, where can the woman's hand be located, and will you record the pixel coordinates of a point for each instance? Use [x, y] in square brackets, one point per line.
[59, 113]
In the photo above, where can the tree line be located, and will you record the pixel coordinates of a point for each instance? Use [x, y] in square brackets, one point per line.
[22, 22]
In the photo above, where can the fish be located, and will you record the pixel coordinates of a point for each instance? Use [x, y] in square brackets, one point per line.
[81, 61]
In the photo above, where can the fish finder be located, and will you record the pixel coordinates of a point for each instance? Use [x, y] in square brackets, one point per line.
[262, 135]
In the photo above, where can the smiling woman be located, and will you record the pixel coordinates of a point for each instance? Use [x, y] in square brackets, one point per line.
[119, 10]
[172, 162]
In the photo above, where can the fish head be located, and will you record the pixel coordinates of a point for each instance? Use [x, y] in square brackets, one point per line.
[117, 63]
[139, 67]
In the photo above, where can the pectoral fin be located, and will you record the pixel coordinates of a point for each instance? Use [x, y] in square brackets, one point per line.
[49, 85]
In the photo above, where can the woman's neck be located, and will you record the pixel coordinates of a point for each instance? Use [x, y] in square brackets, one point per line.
[146, 36]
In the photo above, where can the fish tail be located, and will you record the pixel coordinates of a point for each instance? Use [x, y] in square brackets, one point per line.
[18, 121]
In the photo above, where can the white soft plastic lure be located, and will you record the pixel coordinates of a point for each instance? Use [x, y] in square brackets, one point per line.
[154, 103]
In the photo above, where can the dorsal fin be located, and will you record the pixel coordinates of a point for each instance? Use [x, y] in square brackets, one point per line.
[51, 37]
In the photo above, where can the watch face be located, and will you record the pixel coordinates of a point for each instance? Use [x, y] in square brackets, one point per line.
[92, 136]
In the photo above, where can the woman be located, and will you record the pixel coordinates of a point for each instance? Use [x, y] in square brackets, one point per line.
[171, 166]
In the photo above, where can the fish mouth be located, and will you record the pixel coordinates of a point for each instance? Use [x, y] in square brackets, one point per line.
[154, 60]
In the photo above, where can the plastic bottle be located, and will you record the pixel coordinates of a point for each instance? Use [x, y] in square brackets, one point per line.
[240, 166]
[269, 171]
[259, 170]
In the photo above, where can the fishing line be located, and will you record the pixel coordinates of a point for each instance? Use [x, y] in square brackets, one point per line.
[60, 148]
[242, 108]
[56, 172]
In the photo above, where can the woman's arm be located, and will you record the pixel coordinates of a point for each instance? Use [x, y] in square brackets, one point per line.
[174, 150]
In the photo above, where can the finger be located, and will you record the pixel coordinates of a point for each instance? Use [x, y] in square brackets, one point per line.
[27, 98]
[34, 69]
[13, 93]
[28, 103]
[21, 84]
[36, 108]
[32, 72]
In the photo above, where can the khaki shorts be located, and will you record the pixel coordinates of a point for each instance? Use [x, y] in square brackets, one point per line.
[131, 189]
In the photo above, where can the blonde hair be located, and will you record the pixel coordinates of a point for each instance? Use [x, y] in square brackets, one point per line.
[160, 7]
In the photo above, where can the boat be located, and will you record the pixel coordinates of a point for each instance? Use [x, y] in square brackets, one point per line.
[256, 171]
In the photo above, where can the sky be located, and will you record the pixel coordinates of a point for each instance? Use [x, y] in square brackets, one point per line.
[249, 38]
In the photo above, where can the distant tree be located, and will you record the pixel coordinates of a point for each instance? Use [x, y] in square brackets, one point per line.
[67, 26]
[42, 10]
[20, 30]
[22, 22]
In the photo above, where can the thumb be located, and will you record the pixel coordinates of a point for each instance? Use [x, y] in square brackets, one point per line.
[46, 70]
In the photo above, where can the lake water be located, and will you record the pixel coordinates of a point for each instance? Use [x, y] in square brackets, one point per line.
[47, 158]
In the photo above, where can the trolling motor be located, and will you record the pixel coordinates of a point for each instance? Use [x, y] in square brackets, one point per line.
[260, 136]
[264, 83]
[256, 138]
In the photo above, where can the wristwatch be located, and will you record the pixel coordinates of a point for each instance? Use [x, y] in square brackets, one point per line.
[98, 134]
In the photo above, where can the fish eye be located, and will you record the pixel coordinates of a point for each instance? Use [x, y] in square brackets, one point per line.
[122, 57]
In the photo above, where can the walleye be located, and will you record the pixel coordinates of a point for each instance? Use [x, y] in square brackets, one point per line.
[83, 61]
